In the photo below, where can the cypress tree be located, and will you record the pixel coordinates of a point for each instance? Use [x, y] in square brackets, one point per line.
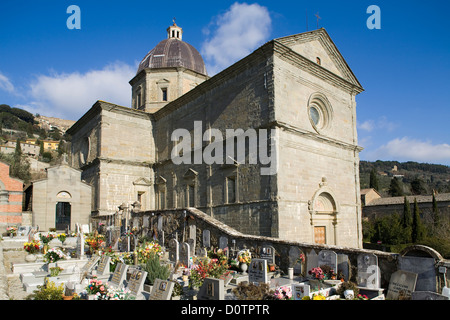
[407, 220]
[436, 217]
[395, 189]
[417, 231]
[373, 180]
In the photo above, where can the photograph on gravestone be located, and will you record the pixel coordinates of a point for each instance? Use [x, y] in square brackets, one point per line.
[162, 290]
[401, 285]
[136, 283]
[369, 275]
[212, 289]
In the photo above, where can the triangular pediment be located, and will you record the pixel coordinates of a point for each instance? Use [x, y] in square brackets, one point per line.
[316, 45]
[160, 180]
[142, 182]
[190, 174]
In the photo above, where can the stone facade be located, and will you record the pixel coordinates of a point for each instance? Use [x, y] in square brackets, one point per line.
[298, 88]
[61, 200]
[11, 196]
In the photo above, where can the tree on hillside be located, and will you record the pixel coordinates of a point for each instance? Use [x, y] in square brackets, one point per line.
[418, 186]
[417, 230]
[373, 180]
[19, 166]
[407, 219]
[395, 188]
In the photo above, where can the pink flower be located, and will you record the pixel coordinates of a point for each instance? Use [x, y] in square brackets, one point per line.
[102, 288]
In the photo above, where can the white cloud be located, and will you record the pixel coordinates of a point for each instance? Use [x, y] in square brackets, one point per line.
[235, 34]
[5, 84]
[70, 95]
[382, 124]
[407, 149]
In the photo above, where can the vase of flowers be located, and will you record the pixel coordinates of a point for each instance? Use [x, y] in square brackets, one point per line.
[54, 255]
[11, 231]
[45, 239]
[62, 237]
[96, 290]
[31, 247]
[244, 257]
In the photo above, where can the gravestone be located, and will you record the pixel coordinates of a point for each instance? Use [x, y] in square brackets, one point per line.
[401, 285]
[312, 260]
[84, 228]
[427, 295]
[294, 255]
[136, 283]
[226, 277]
[267, 253]
[328, 258]
[103, 266]
[119, 275]
[80, 246]
[185, 254]
[369, 275]
[206, 238]
[223, 242]
[145, 222]
[300, 290]
[257, 271]
[424, 268]
[174, 251]
[343, 266]
[191, 243]
[92, 262]
[212, 289]
[162, 290]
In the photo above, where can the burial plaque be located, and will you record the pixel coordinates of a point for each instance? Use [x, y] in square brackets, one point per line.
[119, 275]
[103, 266]
[90, 264]
[223, 242]
[300, 290]
[162, 290]
[425, 269]
[401, 285]
[368, 271]
[257, 272]
[267, 253]
[212, 289]
[136, 283]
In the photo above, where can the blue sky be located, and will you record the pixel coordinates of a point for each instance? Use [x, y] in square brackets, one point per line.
[403, 114]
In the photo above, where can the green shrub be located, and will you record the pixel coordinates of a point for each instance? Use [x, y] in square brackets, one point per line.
[48, 291]
[154, 269]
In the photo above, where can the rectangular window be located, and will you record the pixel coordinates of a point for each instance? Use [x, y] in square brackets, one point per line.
[140, 198]
[164, 94]
[320, 235]
[162, 200]
[191, 196]
[231, 190]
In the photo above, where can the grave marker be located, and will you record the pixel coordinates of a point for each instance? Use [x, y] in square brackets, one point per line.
[206, 238]
[103, 267]
[294, 255]
[185, 254]
[425, 269]
[92, 262]
[162, 290]
[300, 290]
[136, 283]
[80, 246]
[368, 272]
[328, 258]
[212, 289]
[119, 275]
[401, 285]
[257, 271]
[223, 242]
[267, 253]
[312, 260]
[174, 251]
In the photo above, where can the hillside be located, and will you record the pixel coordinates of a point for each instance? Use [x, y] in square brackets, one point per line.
[415, 178]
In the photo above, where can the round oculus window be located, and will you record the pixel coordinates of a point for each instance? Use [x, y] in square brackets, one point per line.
[319, 112]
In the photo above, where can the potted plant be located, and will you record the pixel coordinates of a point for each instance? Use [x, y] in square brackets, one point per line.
[11, 231]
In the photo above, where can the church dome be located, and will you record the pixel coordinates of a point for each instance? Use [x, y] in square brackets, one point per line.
[173, 52]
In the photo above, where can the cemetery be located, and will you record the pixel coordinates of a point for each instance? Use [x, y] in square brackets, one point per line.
[187, 255]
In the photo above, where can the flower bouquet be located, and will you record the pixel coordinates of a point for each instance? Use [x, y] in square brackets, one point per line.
[118, 294]
[53, 255]
[283, 293]
[11, 230]
[46, 238]
[244, 256]
[31, 247]
[97, 288]
[62, 237]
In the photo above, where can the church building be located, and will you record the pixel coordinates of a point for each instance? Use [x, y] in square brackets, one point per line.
[294, 98]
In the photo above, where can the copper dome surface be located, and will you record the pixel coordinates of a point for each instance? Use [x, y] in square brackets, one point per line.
[173, 52]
